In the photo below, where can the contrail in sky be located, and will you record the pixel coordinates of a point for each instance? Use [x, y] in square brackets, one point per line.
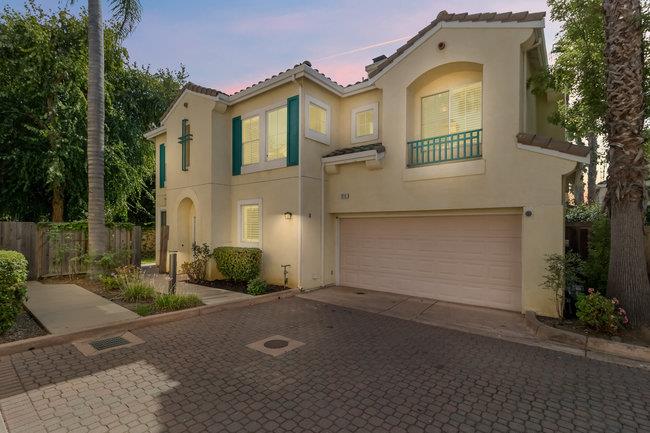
[356, 50]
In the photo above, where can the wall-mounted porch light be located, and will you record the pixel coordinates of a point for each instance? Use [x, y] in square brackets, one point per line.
[287, 215]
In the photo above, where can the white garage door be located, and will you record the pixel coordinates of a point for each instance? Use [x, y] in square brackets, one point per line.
[467, 259]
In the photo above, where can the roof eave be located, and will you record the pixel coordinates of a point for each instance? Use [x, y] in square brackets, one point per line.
[150, 135]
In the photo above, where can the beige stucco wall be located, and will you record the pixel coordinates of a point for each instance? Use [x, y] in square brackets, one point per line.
[506, 180]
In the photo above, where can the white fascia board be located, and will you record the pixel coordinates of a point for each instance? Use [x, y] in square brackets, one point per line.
[347, 158]
[550, 152]
[149, 135]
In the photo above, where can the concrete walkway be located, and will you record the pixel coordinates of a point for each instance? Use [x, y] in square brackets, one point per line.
[64, 308]
[477, 320]
[209, 295]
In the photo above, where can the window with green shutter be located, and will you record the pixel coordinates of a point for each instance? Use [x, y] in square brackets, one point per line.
[161, 174]
[184, 140]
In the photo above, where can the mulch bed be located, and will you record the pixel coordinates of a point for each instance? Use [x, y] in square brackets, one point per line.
[640, 337]
[236, 286]
[25, 327]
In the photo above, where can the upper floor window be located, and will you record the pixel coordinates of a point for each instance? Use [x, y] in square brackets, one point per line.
[276, 133]
[251, 140]
[318, 120]
[364, 123]
[452, 111]
[184, 140]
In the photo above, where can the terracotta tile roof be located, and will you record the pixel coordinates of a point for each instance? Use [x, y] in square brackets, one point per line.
[552, 144]
[445, 16]
[355, 149]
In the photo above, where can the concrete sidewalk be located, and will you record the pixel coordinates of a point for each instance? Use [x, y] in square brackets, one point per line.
[209, 295]
[478, 320]
[64, 308]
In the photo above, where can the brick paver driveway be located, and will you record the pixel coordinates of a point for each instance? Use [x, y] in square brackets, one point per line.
[356, 372]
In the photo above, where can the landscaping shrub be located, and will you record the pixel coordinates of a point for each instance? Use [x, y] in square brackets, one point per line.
[126, 275]
[238, 264]
[563, 271]
[256, 286]
[169, 302]
[583, 213]
[144, 310]
[138, 292]
[13, 291]
[601, 313]
[110, 282]
[197, 268]
[596, 266]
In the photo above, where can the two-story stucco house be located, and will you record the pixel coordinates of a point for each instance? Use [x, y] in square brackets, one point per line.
[436, 176]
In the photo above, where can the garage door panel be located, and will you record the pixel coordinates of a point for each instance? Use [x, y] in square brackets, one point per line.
[468, 259]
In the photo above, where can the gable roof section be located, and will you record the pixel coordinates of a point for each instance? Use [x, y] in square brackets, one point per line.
[557, 147]
[446, 17]
[195, 88]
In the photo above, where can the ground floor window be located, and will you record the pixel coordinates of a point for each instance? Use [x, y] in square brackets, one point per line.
[250, 222]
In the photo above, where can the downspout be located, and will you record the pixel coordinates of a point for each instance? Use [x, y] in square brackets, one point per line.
[300, 143]
[322, 224]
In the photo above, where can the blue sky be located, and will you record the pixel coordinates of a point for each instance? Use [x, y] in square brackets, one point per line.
[231, 44]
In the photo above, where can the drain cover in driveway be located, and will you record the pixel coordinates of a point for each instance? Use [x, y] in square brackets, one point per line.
[106, 344]
[275, 345]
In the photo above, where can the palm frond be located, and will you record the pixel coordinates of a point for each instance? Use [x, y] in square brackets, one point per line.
[127, 13]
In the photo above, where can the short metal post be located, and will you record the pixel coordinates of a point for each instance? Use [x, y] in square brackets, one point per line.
[172, 272]
[286, 274]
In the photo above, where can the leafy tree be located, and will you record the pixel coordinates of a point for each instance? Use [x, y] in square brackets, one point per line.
[43, 85]
[624, 57]
[578, 72]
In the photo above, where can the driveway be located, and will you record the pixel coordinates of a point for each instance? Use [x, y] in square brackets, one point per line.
[357, 371]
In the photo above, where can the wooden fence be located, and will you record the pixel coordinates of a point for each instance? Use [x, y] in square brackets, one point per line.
[61, 252]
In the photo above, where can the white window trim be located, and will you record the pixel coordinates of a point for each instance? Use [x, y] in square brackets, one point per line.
[315, 135]
[240, 203]
[264, 164]
[375, 117]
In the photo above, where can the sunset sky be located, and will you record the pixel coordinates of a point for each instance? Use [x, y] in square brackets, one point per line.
[230, 45]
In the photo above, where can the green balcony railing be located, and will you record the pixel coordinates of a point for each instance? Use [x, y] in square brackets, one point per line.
[452, 147]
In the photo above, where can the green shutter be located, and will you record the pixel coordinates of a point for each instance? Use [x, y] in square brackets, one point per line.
[293, 130]
[236, 146]
[162, 165]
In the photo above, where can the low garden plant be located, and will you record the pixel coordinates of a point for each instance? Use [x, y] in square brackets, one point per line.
[563, 271]
[197, 268]
[238, 264]
[173, 302]
[13, 291]
[257, 286]
[138, 292]
[601, 313]
[110, 282]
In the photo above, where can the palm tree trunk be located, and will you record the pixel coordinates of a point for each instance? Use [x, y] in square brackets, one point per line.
[592, 171]
[96, 223]
[628, 277]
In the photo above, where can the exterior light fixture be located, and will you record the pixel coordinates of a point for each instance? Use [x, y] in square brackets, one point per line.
[287, 215]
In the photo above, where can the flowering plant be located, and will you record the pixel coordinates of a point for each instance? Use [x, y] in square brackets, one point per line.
[601, 313]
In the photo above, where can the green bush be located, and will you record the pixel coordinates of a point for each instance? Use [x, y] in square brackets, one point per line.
[126, 275]
[196, 269]
[238, 264]
[144, 310]
[601, 313]
[110, 282]
[13, 291]
[169, 302]
[138, 292]
[597, 264]
[563, 271]
[583, 213]
[256, 286]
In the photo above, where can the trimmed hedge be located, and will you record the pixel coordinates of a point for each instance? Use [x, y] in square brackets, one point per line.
[238, 264]
[13, 291]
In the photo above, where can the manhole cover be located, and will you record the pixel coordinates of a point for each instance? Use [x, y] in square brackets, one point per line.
[276, 344]
[107, 343]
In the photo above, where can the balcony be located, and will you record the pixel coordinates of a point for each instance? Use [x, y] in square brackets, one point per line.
[445, 148]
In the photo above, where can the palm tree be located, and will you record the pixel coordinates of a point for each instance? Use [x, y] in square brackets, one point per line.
[127, 12]
[628, 276]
